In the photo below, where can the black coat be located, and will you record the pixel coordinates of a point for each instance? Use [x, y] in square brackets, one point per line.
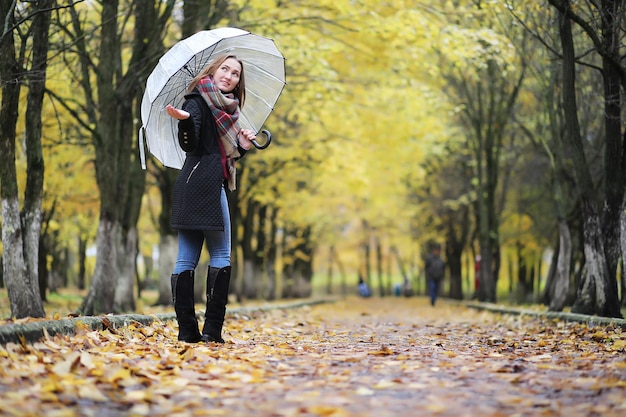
[196, 198]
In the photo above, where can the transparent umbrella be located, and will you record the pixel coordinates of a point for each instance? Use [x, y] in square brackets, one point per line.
[264, 68]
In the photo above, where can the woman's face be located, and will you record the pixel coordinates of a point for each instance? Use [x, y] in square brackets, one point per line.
[227, 75]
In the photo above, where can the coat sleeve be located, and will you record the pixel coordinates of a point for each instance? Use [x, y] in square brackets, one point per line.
[189, 129]
[241, 150]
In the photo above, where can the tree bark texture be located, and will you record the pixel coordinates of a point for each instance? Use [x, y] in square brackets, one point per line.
[100, 297]
[558, 297]
[113, 135]
[623, 249]
[33, 193]
[21, 281]
[124, 291]
[168, 246]
[272, 253]
[595, 295]
[457, 233]
[612, 15]
[168, 238]
[250, 288]
[261, 250]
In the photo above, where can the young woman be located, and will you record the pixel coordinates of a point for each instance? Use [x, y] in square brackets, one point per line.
[209, 133]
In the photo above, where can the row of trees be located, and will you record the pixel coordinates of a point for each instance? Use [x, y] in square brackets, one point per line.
[476, 122]
[543, 96]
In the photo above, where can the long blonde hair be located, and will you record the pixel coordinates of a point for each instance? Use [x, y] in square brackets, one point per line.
[240, 89]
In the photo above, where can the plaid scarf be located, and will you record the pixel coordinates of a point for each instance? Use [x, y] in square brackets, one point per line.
[225, 110]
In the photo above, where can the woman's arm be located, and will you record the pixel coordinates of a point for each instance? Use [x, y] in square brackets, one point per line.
[189, 124]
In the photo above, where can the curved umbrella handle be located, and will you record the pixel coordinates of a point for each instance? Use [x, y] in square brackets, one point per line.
[266, 144]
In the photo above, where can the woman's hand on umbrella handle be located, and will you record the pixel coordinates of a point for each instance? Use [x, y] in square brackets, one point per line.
[176, 113]
[245, 137]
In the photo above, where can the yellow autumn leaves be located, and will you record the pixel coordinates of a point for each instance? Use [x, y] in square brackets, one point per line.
[356, 357]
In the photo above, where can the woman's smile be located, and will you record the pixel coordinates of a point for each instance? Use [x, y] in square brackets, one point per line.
[227, 75]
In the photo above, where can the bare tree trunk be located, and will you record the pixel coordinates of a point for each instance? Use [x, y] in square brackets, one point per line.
[168, 246]
[288, 255]
[524, 290]
[379, 266]
[623, 247]
[23, 288]
[250, 287]
[303, 265]
[260, 251]
[124, 291]
[33, 193]
[272, 250]
[82, 260]
[329, 271]
[612, 19]
[559, 296]
[457, 232]
[106, 135]
[101, 293]
[111, 114]
[595, 293]
[168, 238]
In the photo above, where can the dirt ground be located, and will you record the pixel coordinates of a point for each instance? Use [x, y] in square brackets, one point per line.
[354, 357]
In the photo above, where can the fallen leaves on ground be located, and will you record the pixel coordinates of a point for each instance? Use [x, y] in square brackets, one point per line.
[355, 357]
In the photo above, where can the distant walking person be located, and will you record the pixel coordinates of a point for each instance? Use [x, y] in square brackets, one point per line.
[435, 269]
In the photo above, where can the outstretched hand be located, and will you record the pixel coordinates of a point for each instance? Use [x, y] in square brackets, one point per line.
[245, 136]
[176, 113]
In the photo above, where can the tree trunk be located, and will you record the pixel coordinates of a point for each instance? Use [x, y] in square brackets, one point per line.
[329, 271]
[379, 266]
[260, 252]
[82, 260]
[109, 175]
[234, 207]
[287, 258]
[114, 131]
[303, 269]
[168, 238]
[595, 293]
[168, 246]
[560, 294]
[487, 288]
[23, 290]
[124, 291]
[250, 288]
[456, 238]
[101, 293]
[42, 266]
[524, 281]
[612, 13]
[272, 250]
[623, 248]
[33, 193]
[495, 95]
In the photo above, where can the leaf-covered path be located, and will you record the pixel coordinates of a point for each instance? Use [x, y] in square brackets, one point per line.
[356, 357]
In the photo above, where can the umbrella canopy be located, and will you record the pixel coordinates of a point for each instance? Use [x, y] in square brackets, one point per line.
[264, 70]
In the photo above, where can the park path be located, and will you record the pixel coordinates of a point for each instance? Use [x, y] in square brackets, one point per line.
[353, 357]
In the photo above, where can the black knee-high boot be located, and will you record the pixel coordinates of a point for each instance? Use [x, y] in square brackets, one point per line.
[218, 281]
[182, 294]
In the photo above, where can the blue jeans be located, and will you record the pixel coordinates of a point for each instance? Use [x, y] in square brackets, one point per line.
[433, 289]
[217, 242]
